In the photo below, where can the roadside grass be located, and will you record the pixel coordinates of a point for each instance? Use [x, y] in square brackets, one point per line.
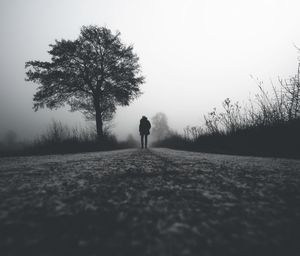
[61, 139]
[268, 126]
[281, 140]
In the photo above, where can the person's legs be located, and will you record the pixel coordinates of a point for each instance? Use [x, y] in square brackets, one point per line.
[142, 140]
[146, 140]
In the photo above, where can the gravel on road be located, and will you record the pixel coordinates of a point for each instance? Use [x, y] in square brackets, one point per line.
[149, 202]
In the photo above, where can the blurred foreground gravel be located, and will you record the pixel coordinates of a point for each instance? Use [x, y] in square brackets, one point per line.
[149, 202]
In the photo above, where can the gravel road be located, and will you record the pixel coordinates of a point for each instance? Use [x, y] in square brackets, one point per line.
[149, 202]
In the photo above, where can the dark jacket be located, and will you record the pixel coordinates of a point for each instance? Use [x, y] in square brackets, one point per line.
[145, 126]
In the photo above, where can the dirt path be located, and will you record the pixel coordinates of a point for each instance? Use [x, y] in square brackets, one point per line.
[149, 202]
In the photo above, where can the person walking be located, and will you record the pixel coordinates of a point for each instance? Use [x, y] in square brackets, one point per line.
[144, 129]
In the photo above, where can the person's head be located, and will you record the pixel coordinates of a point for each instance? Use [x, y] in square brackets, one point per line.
[144, 117]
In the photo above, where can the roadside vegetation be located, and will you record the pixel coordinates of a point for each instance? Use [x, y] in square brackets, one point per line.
[269, 125]
[61, 139]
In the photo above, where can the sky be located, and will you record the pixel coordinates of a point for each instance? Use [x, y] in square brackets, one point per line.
[193, 53]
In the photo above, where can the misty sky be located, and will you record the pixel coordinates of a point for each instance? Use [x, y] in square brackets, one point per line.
[193, 53]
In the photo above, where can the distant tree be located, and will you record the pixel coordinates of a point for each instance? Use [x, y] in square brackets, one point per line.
[93, 74]
[10, 137]
[131, 141]
[160, 128]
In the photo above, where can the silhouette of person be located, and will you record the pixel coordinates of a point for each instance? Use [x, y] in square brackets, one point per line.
[144, 129]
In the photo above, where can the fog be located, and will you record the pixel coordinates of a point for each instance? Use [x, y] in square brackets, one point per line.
[193, 53]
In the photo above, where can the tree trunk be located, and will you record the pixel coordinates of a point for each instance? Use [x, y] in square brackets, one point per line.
[99, 125]
[99, 122]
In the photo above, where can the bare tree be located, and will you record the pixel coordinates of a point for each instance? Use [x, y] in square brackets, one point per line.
[160, 127]
[291, 88]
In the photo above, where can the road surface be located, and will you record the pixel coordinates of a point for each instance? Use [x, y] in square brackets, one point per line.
[149, 202]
